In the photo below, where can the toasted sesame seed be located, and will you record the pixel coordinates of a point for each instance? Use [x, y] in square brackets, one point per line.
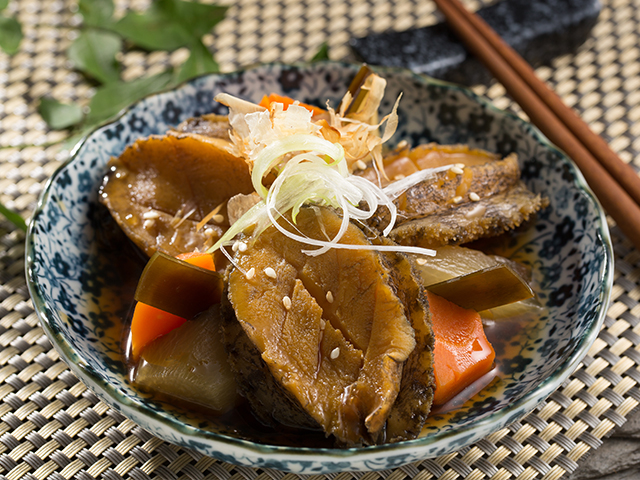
[456, 170]
[329, 296]
[402, 144]
[460, 165]
[286, 301]
[335, 353]
[476, 211]
[208, 232]
[474, 197]
[235, 246]
[148, 223]
[150, 215]
[457, 199]
[242, 247]
[421, 261]
[250, 273]
[399, 177]
[270, 272]
[218, 218]
[360, 165]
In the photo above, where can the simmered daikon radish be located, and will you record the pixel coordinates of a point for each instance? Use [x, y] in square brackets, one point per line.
[190, 364]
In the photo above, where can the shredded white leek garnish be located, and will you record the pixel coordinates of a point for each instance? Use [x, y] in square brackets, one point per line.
[397, 188]
[311, 163]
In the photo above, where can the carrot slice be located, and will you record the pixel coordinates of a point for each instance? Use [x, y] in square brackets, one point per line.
[198, 259]
[267, 100]
[462, 352]
[149, 323]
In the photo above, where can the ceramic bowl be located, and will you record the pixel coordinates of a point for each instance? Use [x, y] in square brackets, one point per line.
[81, 298]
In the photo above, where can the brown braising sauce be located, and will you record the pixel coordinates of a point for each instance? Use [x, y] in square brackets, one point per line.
[116, 250]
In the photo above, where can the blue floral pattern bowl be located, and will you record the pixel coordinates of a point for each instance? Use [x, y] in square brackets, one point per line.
[82, 298]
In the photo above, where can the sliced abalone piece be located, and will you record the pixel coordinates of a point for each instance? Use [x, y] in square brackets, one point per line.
[333, 331]
[162, 187]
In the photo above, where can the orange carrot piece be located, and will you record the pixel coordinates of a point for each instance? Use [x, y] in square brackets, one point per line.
[199, 259]
[267, 100]
[462, 352]
[149, 323]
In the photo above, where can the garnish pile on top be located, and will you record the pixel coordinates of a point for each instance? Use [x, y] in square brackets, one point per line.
[308, 157]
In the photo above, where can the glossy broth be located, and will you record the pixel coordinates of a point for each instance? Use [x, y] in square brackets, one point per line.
[114, 249]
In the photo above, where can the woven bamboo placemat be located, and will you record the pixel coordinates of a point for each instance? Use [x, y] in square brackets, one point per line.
[51, 426]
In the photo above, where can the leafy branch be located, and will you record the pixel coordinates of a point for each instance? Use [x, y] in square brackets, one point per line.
[10, 31]
[10, 38]
[166, 25]
[322, 53]
[13, 217]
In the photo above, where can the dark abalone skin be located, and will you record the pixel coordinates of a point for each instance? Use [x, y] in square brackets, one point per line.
[270, 402]
[413, 404]
[486, 200]
[488, 217]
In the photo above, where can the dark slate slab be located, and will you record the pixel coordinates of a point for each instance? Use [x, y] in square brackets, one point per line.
[538, 29]
[618, 458]
[630, 429]
[615, 456]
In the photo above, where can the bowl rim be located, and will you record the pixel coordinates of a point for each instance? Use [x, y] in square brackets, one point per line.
[498, 419]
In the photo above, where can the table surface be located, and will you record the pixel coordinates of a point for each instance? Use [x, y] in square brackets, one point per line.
[51, 426]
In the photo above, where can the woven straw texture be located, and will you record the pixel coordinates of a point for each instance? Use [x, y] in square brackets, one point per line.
[52, 427]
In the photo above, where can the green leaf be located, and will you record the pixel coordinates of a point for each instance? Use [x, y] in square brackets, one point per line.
[13, 217]
[94, 53]
[10, 35]
[3, 4]
[199, 62]
[59, 115]
[322, 53]
[96, 13]
[153, 30]
[169, 24]
[200, 18]
[112, 98]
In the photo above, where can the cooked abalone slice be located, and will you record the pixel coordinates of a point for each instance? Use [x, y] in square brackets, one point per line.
[161, 187]
[487, 217]
[333, 330]
[209, 125]
[480, 196]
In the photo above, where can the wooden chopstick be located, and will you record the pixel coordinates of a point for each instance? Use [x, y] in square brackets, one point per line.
[615, 183]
